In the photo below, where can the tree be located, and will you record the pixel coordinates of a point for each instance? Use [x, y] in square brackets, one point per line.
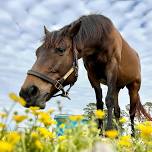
[89, 110]
[148, 106]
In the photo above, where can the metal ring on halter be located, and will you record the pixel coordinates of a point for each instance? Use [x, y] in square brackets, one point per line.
[58, 85]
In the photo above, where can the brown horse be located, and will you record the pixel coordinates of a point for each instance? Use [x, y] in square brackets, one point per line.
[107, 57]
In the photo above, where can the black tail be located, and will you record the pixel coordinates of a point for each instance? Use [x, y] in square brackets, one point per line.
[141, 110]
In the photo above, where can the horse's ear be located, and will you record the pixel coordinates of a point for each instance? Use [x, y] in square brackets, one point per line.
[74, 28]
[46, 31]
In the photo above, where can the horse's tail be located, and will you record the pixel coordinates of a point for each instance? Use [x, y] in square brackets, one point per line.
[141, 110]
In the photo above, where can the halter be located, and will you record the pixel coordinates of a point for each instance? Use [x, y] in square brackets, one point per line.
[58, 84]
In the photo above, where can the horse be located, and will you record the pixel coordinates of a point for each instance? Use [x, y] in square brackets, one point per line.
[106, 55]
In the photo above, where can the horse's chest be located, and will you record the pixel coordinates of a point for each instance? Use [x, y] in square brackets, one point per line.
[97, 67]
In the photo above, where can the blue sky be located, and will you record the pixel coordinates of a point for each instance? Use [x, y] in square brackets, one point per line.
[21, 31]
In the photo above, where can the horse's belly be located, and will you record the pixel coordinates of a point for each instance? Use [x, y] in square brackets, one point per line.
[128, 73]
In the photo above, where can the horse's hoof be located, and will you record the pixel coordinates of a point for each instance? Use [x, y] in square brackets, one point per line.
[132, 134]
[109, 128]
[101, 133]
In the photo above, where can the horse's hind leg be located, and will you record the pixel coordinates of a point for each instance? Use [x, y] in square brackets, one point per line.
[134, 99]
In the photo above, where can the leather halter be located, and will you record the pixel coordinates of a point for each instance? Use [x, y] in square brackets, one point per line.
[58, 84]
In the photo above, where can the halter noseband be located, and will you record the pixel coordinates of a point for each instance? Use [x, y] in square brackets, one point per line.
[58, 84]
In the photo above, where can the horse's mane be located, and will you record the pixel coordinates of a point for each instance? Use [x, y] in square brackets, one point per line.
[93, 29]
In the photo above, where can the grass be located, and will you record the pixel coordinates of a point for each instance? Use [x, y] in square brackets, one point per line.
[35, 131]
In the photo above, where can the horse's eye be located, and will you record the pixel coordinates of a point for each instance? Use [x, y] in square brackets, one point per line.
[60, 50]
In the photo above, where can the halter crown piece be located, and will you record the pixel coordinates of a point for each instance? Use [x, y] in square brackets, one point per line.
[58, 84]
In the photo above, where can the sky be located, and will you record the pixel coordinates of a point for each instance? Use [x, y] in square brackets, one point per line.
[21, 32]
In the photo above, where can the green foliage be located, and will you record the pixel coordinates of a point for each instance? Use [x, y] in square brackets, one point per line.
[35, 131]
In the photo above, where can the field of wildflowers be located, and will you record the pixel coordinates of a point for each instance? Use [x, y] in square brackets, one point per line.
[39, 133]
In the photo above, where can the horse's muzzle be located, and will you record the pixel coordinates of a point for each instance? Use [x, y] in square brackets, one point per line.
[33, 97]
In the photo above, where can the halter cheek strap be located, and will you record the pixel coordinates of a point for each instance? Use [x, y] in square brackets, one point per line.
[58, 84]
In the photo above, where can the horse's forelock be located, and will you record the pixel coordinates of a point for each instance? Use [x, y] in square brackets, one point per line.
[53, 38]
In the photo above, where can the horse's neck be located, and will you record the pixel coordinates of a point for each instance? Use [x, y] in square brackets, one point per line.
[83, 51]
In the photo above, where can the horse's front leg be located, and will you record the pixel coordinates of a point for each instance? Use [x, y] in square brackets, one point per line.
[111, 72]
[98, 92]
[116, 106]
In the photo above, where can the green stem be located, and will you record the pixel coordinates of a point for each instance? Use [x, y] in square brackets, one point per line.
[23, 143]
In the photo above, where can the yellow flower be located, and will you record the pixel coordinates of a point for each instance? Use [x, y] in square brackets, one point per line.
[145, 129]
[34, 135]
[13, 96]
[19, 118]
[35, 110]
[61, 138]
[111, 133]
[22, 101]
[38, 144]
[46, 119]
[51, 135]
[13, 137]
[2, 125]
[46, 133]
[148, 123]
[3, 114]
[122, 120]
[99, 114]
[18, 99]
[5, 146]
[49, 122]
[62, 125]
[125, 141]
[76, 117]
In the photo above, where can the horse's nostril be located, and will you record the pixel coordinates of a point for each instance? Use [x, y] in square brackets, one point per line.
[22, 93]
[32, 91]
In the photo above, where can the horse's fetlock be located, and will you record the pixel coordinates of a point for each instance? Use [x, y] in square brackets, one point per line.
[100, 105]
[117, 114]
[109, 104]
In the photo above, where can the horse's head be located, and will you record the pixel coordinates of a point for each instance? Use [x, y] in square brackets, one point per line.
[54, 60]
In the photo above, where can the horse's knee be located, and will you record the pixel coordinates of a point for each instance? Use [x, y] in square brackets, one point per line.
[110, 101]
